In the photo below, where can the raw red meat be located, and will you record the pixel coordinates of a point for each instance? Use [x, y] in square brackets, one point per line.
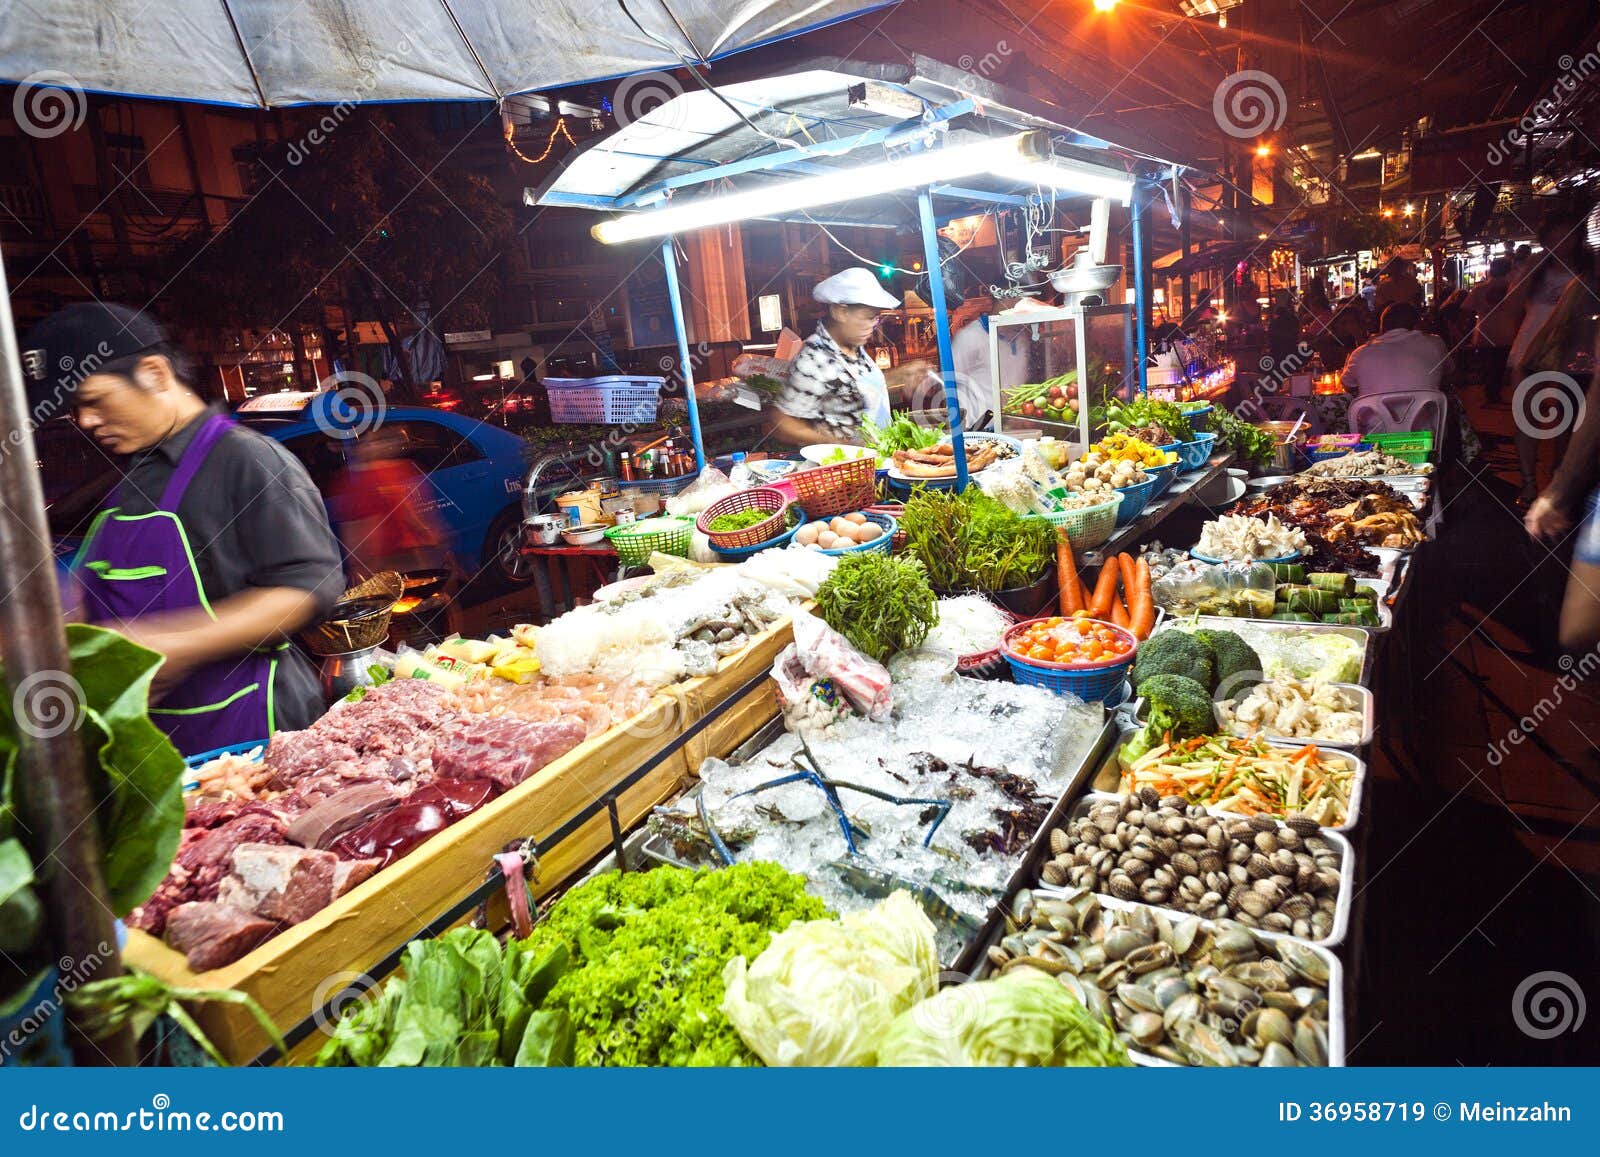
[348, 873]
[279, 882]
[350, 807]
[504, 750]
[212, 934]
[202, 861]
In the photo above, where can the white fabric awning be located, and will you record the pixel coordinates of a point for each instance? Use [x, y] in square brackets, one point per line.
[277, 53]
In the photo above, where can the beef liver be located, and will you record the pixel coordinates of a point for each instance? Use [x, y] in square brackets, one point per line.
[211, 934]
[347, 808]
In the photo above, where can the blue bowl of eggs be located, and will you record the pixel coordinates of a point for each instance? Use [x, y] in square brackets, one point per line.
[847, 533]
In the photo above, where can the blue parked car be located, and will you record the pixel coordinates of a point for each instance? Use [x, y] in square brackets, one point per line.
[476, 471]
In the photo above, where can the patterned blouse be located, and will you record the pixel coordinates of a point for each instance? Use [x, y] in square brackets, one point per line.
[833, 389]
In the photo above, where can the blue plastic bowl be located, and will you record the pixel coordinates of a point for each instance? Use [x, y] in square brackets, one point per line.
[1194, 455]
[739, 554]
[1199, 420]
[1164, 477]
[1195, 554]
[1134, 500]
[882, 543]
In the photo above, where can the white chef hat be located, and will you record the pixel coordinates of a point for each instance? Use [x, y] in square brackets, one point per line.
[855, 286]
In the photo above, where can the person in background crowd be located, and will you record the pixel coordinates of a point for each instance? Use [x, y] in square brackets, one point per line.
[969, 355]
[1399, 285]
[215, 546]
[1548, 302]
[1496, 325]
[1572, 498]
[1401, 357]
[1347, 331]
[1451, 320]
[385, 504]
[1369, 293]
[1283, 328]
[1521, 262]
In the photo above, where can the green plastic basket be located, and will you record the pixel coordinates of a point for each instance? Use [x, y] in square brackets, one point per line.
[1413, 446]
[1088, 526]
[637, 541]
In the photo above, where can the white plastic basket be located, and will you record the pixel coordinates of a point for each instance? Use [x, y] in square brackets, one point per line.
[613, 400]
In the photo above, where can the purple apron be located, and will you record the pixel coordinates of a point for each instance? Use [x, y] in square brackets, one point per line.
[133, 565]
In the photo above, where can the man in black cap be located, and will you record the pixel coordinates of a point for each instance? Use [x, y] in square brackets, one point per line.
[213, 548]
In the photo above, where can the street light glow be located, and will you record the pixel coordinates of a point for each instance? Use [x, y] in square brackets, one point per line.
[1104, 5]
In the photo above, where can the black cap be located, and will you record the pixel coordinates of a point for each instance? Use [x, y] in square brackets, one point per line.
[73, 343]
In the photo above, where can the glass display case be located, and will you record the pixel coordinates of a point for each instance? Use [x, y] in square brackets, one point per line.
[1052, 366]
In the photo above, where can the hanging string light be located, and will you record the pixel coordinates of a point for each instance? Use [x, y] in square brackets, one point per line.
[559, 131]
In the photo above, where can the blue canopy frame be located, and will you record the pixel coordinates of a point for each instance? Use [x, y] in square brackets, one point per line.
[805, 160]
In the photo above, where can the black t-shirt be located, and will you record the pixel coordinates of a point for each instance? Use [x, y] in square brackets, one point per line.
[253, 519]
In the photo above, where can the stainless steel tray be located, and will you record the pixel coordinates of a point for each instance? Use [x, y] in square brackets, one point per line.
[1342, 901]
[1217, 623]
[1107, 778]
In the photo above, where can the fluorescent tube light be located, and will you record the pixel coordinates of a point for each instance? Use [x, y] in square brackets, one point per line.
[905, 172]
[1086, 179]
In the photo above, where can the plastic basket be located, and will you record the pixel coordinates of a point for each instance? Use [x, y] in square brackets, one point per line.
[1413, 446]
[763, 498]
[1194, 455]
[883, 543]
[1091, 682]
[1164, 477]
[1134, 500]
[826, 491]
[739, 554]
[1199, 420]
[613, 400]
[984, 663]
[637, 541]
[1087, 526]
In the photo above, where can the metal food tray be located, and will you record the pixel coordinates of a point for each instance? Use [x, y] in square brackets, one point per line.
[1108, 771]
[1342, 901]
[654, 847]
[1362, 635]
[1133, 709]
[1337, 1039]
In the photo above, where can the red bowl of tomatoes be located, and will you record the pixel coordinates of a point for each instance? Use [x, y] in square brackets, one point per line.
[1078, 656]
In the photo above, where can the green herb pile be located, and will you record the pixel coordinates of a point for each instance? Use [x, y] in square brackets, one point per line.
[1251, 443]
[880, 603]
[135, 772]
[738, 520]
[1142, 411]
[624, 970]
[970, 541]
[900, 434]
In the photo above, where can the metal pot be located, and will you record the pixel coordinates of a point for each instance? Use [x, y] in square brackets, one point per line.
[545, 529]
[342, 674]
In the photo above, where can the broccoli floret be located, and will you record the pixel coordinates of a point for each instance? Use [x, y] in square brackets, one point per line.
[1177, 705]
[1236, 667]
[1172, 653]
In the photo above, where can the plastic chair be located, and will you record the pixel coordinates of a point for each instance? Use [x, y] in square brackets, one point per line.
[1400, 410]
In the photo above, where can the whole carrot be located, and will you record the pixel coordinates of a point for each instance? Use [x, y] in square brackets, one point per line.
[1105, 590]
[1067, 575]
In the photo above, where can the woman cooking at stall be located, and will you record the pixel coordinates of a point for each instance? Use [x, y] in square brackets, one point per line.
[213, 548]
[834, 382]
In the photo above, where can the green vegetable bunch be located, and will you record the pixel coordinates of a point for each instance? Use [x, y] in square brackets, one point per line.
[1142, 411]
[880, 603]
[900, 434]
[648, 951]
[970, 541]
[624, 970]
[1251, 443]
[738, 520]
